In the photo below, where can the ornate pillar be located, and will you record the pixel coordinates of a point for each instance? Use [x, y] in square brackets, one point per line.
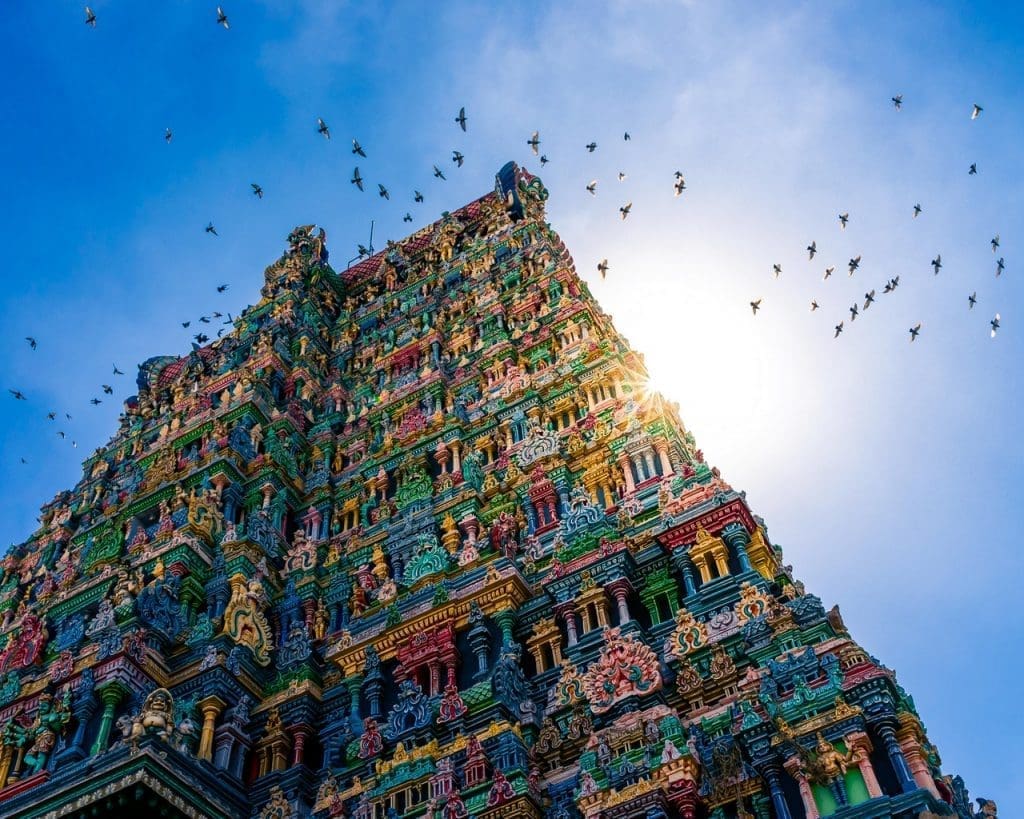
[210, 708]
[505, 620]
[860, 747]
[627, 473]
[567, 611]
[620, 591]
[887, 732]
[685, 566]
[110, 695]
[796, 770]
[661, 447]
[737, 538]
[911, 747]
[299, 733]
[649, 460]
[354, 685]
[771, 774]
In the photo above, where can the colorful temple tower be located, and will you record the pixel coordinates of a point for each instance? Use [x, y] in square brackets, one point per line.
[416, 540]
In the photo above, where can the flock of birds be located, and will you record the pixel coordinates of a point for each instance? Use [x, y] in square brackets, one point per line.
[534, 143]
[869, 297]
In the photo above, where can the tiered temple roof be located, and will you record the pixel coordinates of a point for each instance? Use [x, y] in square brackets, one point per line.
[416, 539]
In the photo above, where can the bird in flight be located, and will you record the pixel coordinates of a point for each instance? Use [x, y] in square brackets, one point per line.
[776, 269]
[321, 128]
[917, 210]
[937, 264]
[407, 217]
[544, 160]
[117, 371]
[853, 313]
[602, 267]
[995, 325]
[417, 196]
[108, 389]
[854, 264]
[843, 219]
[972, 300]
[591, 146]
[438, 173]
[458, 158]
[257, 190]
[204, 319]
[625, 209]
[358, 149]
[1000, 265]
[812, 248]
[755, 306]
[592, 187]
[828, 272]
[18, 395]
[814, 305]
[973, 170]
[461, 118]
[168, 135]
[383, 192]
[90, 17]
[61, 434]
[356, 179]
[211, 229]
[897, 101]
[222, 18]
[869, 299]
[622, 176]
[222, 287]
[31, 342]
[202, 338]
[534, 142]
[95, 401]
[67, 415]
[976, 111]
[626, 137]
[185, 324]
[680, 184]
[892, 284]
[914, 331]
[51, 416]
[839, 329]
[995, 243]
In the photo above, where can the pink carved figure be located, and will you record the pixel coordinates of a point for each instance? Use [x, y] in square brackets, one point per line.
[371, 742]
[501, 791]
[452, 705]
[454, 808]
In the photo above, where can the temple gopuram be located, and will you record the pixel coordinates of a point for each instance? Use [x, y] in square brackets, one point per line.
[416, 539]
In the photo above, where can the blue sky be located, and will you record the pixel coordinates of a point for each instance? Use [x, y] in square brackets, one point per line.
[890, 472]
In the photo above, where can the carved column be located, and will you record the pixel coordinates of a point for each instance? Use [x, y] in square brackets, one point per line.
[210, 708]
[505, 620]
[737, 538]
[110, 695]
[620, 591]
[666, 464]
[299, 734]
[685, 566]
[354, 685]
[910, 744]
[796, 770]
[627, 473]
[860, 748]
[567, 611]
[771, 774]
[887, 732]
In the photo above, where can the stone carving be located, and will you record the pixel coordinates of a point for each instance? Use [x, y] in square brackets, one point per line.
[625, 668]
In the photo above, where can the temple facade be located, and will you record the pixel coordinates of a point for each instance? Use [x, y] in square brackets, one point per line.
[416, 539]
